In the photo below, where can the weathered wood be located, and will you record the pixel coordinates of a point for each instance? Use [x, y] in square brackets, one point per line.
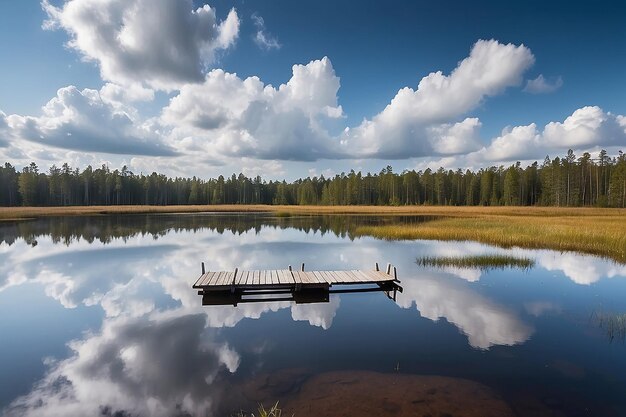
[243, 276]
[289, 279]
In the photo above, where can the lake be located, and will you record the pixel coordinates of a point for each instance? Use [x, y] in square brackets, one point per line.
[98, 317]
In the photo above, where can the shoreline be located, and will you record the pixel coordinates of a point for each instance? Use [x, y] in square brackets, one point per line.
[594, 231]
[20, 213]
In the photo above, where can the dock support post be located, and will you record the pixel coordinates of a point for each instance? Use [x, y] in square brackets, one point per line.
[377, 269]
[302, 267]
[203, 268]
[289, 268]
[232, 286]
[388, 269]
[395, 273]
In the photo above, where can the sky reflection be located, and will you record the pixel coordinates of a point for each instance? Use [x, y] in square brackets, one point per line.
[157, 351]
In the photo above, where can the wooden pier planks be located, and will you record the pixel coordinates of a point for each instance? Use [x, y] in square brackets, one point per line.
[286, 278]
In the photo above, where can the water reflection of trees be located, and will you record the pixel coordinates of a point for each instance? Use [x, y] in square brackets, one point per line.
[111, 227]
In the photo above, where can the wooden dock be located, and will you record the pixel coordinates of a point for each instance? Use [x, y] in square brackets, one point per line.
[232, 287]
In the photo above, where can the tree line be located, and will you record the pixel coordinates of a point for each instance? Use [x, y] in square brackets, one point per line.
[567, 181]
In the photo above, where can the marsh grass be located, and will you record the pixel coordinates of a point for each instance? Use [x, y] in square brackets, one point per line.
[482, 262]
[273, 411]
[13, 213]
[590, 230]
[614, 325]
[593, 234]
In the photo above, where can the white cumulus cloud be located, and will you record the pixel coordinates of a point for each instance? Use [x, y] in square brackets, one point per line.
[262, 38]
[541, 85]
[416, 122]
[160, 43]
[237, 117]
[4, 130]
[85, 121]
[587, 127]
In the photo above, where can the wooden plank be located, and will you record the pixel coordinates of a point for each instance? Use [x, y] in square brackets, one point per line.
[353, 277]
[315, 278]
[280, 277]
[219, 279]
[296, 277]
[331, 276]
[360, 277]
[198, 282]
[378, 276]
[370, 276]
[340, 277]
[303, 277]
[385, 277]
[214, 278]
[210, 278]
[319, 278]
[226, 279]
[287, 277]
[311, 277]
[375, 276]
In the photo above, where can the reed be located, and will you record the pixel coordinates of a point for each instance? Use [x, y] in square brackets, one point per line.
[273, 411]
[597, 235]
[614, 325]
[13, 213]
[597, 231]
[483, 262]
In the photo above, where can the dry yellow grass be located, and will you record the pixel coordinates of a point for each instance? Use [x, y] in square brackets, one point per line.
[590, 230]
[603, 235]
[13, 213]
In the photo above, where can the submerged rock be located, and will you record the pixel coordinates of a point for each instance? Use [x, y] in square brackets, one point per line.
[350, 393]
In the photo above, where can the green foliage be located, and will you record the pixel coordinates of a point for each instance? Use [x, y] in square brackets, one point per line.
[567, 181]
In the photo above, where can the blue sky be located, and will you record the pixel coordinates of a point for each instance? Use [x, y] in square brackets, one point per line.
[374, 49]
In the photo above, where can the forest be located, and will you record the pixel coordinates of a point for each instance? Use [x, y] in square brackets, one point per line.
[568, 181]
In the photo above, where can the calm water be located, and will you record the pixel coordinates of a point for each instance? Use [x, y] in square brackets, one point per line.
[97, 317]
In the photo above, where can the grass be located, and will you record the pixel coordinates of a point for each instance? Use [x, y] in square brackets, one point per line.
[590, 230]
[14, 213]
[483, 262]
[274, 411]
[614, 325]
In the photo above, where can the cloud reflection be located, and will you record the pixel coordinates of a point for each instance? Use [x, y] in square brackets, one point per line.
[485, 322]
[157, 366]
